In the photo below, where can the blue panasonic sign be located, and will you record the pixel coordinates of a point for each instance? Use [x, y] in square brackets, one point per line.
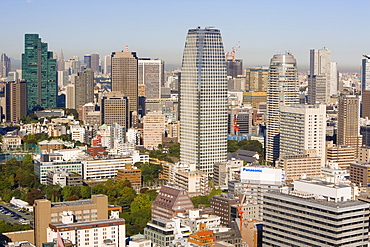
[251, 170]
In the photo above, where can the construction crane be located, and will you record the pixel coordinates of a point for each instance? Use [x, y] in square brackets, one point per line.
[231, 55]
[236, 125]
[240, 210]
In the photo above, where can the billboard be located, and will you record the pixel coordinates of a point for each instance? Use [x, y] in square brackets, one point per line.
[261, 174]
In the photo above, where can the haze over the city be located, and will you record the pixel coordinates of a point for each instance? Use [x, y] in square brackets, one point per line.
[157, 29]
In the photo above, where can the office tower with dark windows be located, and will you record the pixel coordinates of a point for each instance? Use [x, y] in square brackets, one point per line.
[84, 88]
[319, 78]
[5, 64]
[282, 90]
[39, 68]
[124, 76]
[234, 67]
[203, 97]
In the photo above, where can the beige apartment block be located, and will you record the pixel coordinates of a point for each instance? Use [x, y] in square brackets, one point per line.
[154, 123]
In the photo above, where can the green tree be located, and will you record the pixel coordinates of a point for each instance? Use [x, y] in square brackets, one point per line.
[232, 146]
[66, 192]
[174, 150]
[85, 192]
[140, 202]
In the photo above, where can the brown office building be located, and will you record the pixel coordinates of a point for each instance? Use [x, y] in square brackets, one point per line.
[15, 100]
[221, 205]
[132, 175]
[343, 155]
[114, 109]
[295, 166]
[46, 212]
[348, 122]
[171, 201]
[125, 77]
[366, 104]
[359, 173]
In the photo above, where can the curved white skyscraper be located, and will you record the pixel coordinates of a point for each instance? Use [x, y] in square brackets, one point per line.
[282, 90]
[203, 100]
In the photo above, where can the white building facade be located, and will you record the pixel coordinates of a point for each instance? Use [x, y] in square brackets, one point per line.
[203, 100]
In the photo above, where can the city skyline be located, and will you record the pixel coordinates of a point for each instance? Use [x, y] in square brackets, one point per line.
[155, 29]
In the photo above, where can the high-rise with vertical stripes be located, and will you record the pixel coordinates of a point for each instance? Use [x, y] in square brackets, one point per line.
[203, 100]
[282, 90]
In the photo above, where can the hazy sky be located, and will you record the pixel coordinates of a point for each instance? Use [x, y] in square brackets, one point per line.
[158, 28]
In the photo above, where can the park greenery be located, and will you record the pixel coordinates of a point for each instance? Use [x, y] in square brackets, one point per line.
[17, 179]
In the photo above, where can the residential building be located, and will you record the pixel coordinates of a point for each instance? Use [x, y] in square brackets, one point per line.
[319, 78]
[11, 142]
[84, 88]
[47, 212]
[282, 89]
[364, 154]
[104, 233]
[348, 122]
[39, 68]
[115, 109]
[154, 128]
[171, 201]
[125, 75]
[307, 164]
[256, 79]
[203, 98]
[151, 74]
[303, 127]
[162, 231]
[195, 182]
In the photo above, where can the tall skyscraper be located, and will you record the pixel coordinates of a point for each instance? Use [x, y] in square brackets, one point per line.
[84, 88]
[39, 68]
[107, 64]
[282, 89]
[5, 65]
[319, 78]
[365, 73]
[151, 74]
[334, 79]
[124, 76]
[303, 127]
[203, 97]
[16, 100]
[348, 122]
[61, 63]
